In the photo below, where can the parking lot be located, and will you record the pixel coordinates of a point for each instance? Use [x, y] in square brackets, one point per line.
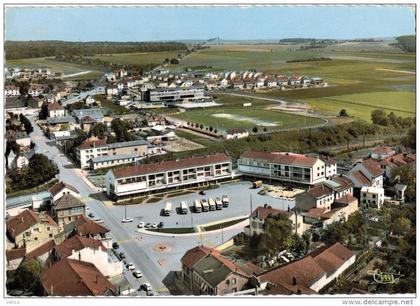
[240, 195]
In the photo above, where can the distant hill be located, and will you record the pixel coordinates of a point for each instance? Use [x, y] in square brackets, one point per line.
[31, 49]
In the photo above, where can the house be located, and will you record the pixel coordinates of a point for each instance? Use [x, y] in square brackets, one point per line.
[206, 272]
[399, 190]
[306, 82]
[81, 279]
[236, 133]
[112, 90]
[282, 166]
[295, 80]
[261, 213]
[372, 196]
[237, 84]
[11, 91]
[172, 174]
[60, 189]
[89, 100]
[282, 80]
[23, 139]
[35, 90]
[87, 228]
[22, 159]
[317, 81]
[86, 123]
[34, 201]
[224, 83]
[67, 209]
[14, 257]
[30, 229]
[309, 274]
[153, 120]
[120, 73]
[270, 82]
[43, 253]
[366, 173]
[89, 250]
[382, 152]
[392, 163]
[55, 109]
[330, 166]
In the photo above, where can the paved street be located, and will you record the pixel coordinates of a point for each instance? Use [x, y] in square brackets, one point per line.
[143, 249]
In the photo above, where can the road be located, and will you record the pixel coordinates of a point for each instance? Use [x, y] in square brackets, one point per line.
[141, 249]
[84, 94]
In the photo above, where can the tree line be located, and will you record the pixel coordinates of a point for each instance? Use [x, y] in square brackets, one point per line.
[43, 48]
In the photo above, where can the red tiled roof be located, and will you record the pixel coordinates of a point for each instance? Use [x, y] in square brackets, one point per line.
[315, 212]
[60, 186]
[25, 220]
[347, 199]
[55, 106]
[81, 279]
[361, 178]
[319, 191]
[282, 158]
[399, 160]
[331, 258]
[191, 257]
[170, 165]
[263, 212]
[85, 227]
[41, 250]
[92, 143]
[383, 150]
[373, 167]
[13, 254]
[77, 243]
[344, 182]
[286, 289]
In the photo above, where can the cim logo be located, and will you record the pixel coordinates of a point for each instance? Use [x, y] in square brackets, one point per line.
[384, 277]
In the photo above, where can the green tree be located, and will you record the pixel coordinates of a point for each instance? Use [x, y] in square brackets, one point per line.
[121, 130]
[255, 129]
[343, 113]
[401, 226]
[26, 277]
[99, 130]
[379, 117]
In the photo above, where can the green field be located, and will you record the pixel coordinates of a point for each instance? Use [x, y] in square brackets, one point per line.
[402, 103]
[137, 58]
[55, 66]
[226, 118]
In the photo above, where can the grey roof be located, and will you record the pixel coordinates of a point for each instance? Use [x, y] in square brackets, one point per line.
[212, 270]
[71, 136]
[127, 144]
[58, 120]
[67, 201]
[14, 103]
[27, 199]
[114, 157]
[95, 113]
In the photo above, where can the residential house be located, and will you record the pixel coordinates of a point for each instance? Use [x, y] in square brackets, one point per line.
[112, 90]
[89, 100]
[206, 272]
[22, 159]
[86, 123]
[55, 109]
[400, 190]
[35, 90]
[309, 274]
[60, 189]
[81, 279]
[89, 250]
[14, 257]
[146, 178]
[382, 152]
[295, 80]
[30, 229]
[120, 73]
[11, 91]
[43, 253]
[283, 166]
[153, 120]
[23, 139]
[330, 166]
[372, 197]
[392, 163]
[236, 133]
[67, 209]
[87, 228]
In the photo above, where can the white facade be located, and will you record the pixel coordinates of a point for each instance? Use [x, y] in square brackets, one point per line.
[372, 196]
[11, 91]
[101, 259]
[56, 113]
[330, 170]
[112, 91]
[237, 135]
[24, 141]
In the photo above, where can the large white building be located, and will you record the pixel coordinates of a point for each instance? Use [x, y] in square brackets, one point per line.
[140, 179]
[11, 91]
[285, 167]
[174, 94]
[372, 197]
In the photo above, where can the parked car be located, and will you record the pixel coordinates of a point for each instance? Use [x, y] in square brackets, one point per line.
[160, 224]
[146, 287]
[154, 225]
[126, 220]
[121, 255]
[140, 225]
[150, 293]
[115, 245]
[137, 274]
[91, 215]
[148, 225]
[130, 266]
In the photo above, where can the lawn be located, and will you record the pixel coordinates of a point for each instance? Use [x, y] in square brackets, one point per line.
[402, 103]
[226, 118]
[137, 58]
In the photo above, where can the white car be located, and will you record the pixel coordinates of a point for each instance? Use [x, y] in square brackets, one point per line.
[131, 266]
[137, 274]
[98, 220]
[127, 220]
[140, 225]
[147, 287]
[154, 225]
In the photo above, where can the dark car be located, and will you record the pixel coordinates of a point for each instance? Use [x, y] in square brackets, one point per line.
[148, 225]
[202, 192]
[160, 224]
[91, 215]
[121, 255]
[115, 245]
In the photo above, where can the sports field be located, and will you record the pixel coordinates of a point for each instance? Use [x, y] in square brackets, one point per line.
[226, 118]
[137, 58]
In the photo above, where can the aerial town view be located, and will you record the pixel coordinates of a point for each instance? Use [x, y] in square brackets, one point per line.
[209, 151]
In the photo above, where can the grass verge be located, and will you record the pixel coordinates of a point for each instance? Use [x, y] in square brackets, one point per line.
[174, 230]
[222, 224]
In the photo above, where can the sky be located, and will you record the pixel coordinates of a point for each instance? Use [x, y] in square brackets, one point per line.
[228, 23]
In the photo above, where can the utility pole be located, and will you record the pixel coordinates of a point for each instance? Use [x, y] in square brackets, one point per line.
[250, 203]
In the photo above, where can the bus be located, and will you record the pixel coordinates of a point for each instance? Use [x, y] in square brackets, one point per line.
[168, 209]
[225, 201]
[219, 204]
[197, 206]
[212, 204]
[183, 208]
[205, 205]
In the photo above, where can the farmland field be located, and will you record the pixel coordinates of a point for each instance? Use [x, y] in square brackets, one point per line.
[226, 118]
[137, 58]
